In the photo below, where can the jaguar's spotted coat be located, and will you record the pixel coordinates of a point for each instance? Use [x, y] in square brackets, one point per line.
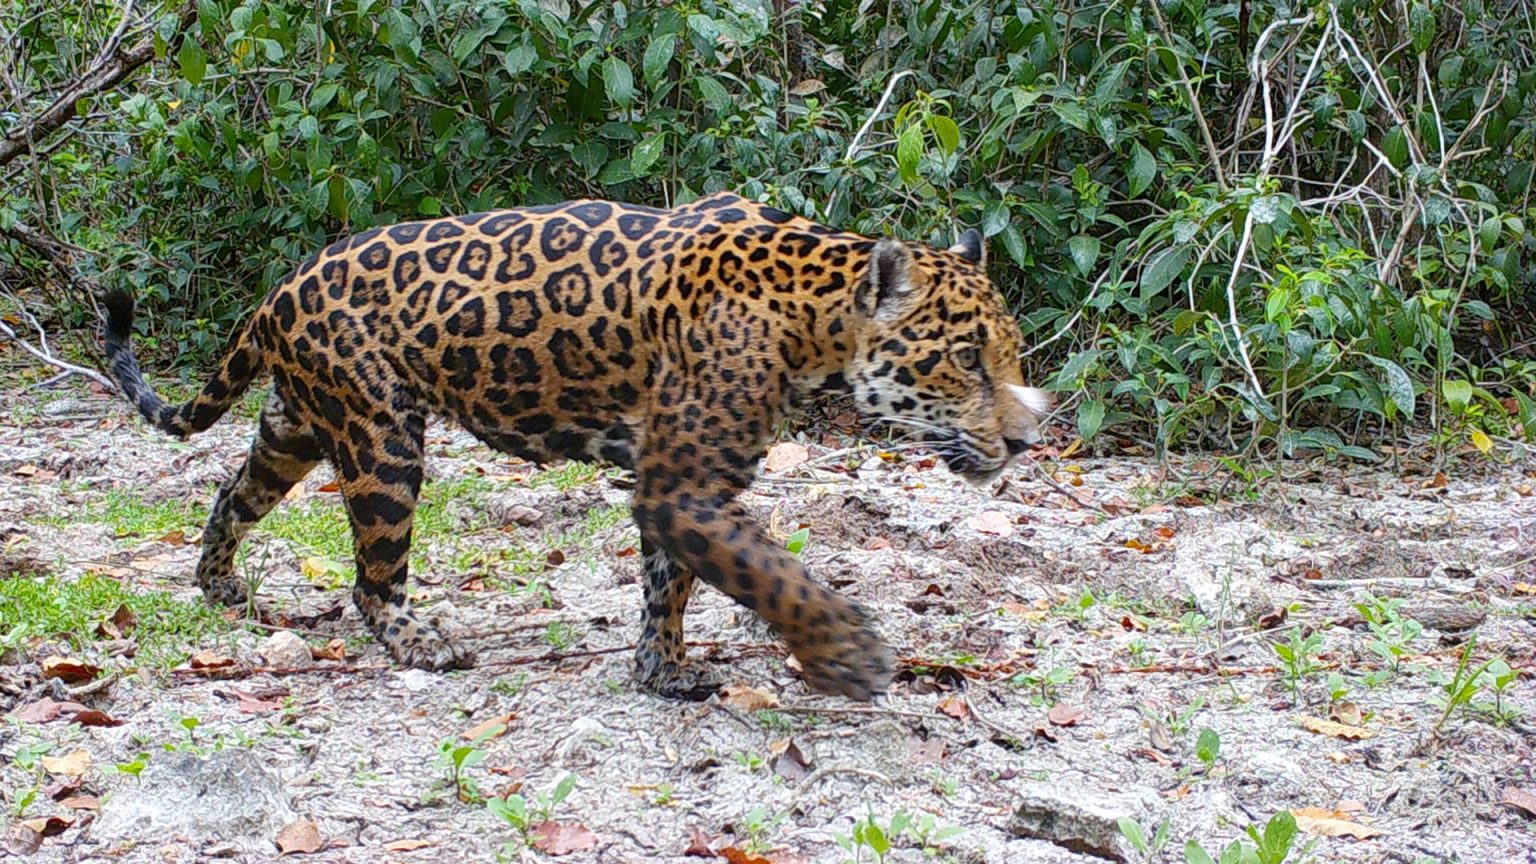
[667, 341]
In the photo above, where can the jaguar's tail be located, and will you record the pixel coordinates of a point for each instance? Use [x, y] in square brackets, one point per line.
[241, 364]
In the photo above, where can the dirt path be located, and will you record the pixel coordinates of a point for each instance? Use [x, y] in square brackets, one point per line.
[1060, 664]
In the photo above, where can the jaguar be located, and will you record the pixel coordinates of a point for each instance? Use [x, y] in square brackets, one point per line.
[669, 342]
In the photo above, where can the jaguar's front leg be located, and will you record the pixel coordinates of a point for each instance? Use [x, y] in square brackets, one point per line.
[715, 538]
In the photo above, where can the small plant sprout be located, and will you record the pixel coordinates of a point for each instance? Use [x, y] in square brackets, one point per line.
[1208, 748]
[1299, 655]
[524, 815]
[1150, 850]
[797, 541]
[759, 823]
[1272, 846]
[459, 758]
[1459, 691]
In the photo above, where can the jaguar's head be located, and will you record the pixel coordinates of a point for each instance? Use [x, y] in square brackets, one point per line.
[937, 351]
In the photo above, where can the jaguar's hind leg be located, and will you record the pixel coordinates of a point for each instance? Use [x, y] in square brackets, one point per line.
[660, 664]
[379, 469]
[281, 454]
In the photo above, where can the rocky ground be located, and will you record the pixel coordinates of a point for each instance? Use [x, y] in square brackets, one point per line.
[1092, 639]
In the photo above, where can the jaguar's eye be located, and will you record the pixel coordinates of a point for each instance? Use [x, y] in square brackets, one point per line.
[966, 357]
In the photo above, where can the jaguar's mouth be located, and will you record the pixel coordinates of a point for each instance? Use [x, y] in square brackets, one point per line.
[963, 459]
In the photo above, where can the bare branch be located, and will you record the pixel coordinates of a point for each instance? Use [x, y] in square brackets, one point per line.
[102, 76]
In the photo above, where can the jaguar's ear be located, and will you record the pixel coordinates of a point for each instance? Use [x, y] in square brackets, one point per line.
[884, 291]
[971, 247]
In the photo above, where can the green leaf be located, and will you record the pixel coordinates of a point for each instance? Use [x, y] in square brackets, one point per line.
[1130, 829]
[1073, 115]
[994, 218]
[1163, 269]
[429, 206]
[1142, 170]
[590, 155]
[1421, 26]
[1436, 210]
[658, 55]
[909, 150]
[619, 82]
[1278, 836]
[714, 93]
[520, 58]
[947, 133]
[1399, 385]
[1194, 853]
[1265, 209]
[194, 64]
[322, 96]
[337, 189]
[1090, 418]
[1458, 394]
[646, 153]
[1488, 234]
[1085, 251]
[796, 542]
[1394, 145]
[1013, 241]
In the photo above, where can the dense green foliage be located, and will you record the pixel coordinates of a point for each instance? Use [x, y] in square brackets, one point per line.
[1345, 186]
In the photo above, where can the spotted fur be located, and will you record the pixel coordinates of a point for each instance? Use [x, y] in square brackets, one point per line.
[666, 341]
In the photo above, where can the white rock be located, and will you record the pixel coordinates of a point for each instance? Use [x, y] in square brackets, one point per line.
[284, 649]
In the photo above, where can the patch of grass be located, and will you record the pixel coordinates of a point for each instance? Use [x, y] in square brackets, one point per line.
[128, 515]
[571, 475]
[314, 527]
[168, 630]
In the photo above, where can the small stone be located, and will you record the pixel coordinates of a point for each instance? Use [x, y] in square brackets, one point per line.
[1078, 818]
[227, 799]
[284, 649]
[416, 680]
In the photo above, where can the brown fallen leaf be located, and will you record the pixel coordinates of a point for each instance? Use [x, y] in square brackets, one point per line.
[81, 802]
[491, 727]
[70, 670]
[207, 659]
[875, 543]
[627, 552]
[405, 845]
[698, 844]
[1325, 823]
[734, 855]
[72, 764]
[301, 837]
[922, 751]
[1517, 797]
[334, 650]
[554, 559]
[41, 711]
[49, 826]
[748, 698]
[954, 706]
[21, 840]
[991, 522]
[175, 537]
[1345, 712]
[1065, 715]
[120, 625]
[784, 456]
[1335, 729]
[788, 761]
[92, 717]
[563, 838]
[26, 471]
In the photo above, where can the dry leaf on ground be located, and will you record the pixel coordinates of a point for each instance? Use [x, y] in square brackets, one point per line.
[1326, 823]
[563, 838]
[784, 456]
[954, 706]
[991, 522]
[299, 838]
[70, 670]
[1337, 730]
[1066, 715]
[491, 727]
[73, 764]
[748, 698]
[1517, 797]
[405, 845]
